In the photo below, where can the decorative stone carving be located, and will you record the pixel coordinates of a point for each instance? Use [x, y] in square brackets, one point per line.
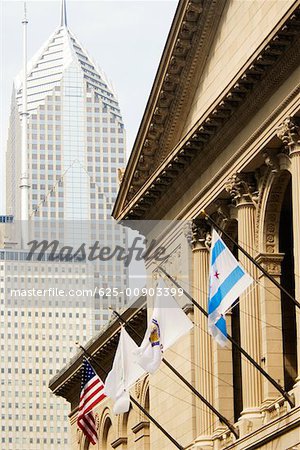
[272, 161]
[242, 188]
[193, 9]
[271, 262]
[78, 433]
[226, 439]
[274, 188]
[138, 389]
[276, 409]
[222, 214]
[97, 421]
[264, 66]
[155, 129]
[198, 234]
[121, 172]
[182, 46]
[289, 133]
[172, 265]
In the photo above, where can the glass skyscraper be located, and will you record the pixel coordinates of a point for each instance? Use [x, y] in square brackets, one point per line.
[76, 145]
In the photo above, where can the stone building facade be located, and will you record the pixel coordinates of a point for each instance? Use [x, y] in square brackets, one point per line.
[220, 133]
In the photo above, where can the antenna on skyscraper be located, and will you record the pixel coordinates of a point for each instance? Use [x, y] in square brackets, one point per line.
[63, 15]
[24, 181]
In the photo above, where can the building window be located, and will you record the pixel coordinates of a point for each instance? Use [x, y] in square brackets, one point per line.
[289, 334]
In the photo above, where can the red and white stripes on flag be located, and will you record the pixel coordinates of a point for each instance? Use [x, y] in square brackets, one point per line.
[91, 395]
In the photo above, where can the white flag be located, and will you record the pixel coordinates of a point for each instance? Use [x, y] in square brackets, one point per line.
[125, 371]
[168, 323]
[227, 281]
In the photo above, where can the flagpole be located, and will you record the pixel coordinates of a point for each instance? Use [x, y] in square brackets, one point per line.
[133, 400]
[259, 266]
[186, 382]
[286, 395]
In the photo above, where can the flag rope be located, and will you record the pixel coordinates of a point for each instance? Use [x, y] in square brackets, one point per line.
[136, 403]
[197, 365]
[186, 382]
[259, 266]
[285, 394]
[186, 402]
[242, 312]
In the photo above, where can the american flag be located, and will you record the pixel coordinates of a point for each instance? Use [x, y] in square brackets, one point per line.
[91, 394]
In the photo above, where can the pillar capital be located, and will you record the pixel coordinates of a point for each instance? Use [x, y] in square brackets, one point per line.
[289, 133]
[242, 188]
[198, 234]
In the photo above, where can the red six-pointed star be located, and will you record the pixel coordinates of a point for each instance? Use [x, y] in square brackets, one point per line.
[216, 274]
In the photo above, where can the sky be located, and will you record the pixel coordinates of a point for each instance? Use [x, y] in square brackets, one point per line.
[125, 38]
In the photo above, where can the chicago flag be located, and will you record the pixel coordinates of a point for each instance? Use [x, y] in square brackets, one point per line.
[227, 281]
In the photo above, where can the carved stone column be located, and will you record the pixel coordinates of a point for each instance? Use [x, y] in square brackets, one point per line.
[222, 356]
[198, 237]
[289, 133]
[242, 188]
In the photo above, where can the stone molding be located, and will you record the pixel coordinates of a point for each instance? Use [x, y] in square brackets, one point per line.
[118, 442]
[140, 426]
[271, 262]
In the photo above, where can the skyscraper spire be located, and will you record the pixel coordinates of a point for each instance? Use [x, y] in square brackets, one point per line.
[63, 14]
[24, 180]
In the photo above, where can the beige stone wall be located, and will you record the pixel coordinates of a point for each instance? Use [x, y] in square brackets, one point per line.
[244, 26]
[170, 400]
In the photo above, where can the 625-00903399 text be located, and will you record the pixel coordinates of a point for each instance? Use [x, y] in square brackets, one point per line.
[100, 291]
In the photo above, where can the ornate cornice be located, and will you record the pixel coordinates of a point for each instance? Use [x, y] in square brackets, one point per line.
[239, 101]
[175, 73]
[205, 28]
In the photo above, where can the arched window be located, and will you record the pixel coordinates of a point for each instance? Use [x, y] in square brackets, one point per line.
[147, 401]
[87, 445]
[288, 312]
[107, 435]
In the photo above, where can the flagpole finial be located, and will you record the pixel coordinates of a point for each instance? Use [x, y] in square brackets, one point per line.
[63, 14]
[203, 213]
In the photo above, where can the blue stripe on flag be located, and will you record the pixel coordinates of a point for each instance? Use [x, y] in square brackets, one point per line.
[221, 325]
[224, 288]
[216, 251]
